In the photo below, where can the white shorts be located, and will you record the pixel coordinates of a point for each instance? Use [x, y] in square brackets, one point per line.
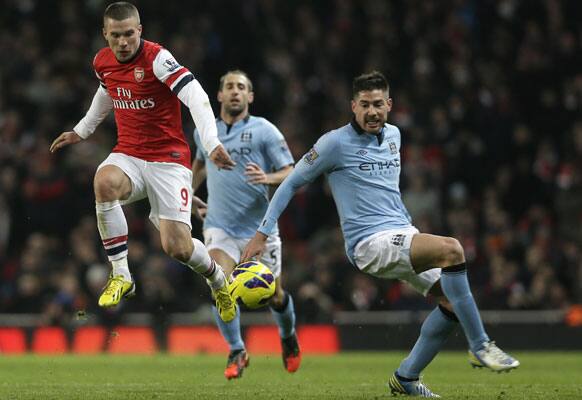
[216, 238]
[168, 186]
[386, 254]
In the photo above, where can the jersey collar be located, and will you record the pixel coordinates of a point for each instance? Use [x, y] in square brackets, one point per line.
[229, 127]
[360, 131]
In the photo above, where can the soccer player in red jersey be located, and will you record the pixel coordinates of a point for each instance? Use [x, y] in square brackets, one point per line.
[144, 84]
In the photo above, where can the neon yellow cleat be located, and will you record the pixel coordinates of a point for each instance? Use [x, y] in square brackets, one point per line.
[224, 302]
[116, 289]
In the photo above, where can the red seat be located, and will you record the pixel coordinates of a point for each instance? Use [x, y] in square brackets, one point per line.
[12, 340]
[89, 340]
[132, 340]
[314, 339]
[49, 340]
[263, 339]
[195, 339]
[318, 339]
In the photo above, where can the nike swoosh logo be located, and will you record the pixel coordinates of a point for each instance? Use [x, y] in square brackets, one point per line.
[106, 73]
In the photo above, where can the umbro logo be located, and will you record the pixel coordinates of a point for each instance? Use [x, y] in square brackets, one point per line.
[362, 152]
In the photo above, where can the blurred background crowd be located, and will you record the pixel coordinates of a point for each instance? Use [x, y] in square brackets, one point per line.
[487, 94]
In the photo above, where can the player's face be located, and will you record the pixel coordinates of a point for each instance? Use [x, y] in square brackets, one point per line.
[235, 95]
[122, 37]
[371, 108]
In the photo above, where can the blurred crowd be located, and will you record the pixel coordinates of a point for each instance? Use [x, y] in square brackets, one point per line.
[487, 94]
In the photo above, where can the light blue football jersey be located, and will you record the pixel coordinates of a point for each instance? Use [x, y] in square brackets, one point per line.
[234, 205]
[363, 171]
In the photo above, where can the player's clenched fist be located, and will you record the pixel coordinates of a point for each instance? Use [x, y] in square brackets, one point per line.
[64, 139]
[220, 157]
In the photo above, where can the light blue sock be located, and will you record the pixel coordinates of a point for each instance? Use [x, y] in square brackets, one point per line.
[435, 330]
[285, 318]
[230, 330]
[455, 285]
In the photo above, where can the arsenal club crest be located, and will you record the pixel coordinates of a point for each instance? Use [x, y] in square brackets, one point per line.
[138, 74]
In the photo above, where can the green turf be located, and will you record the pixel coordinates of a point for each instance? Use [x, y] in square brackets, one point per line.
[345, 376]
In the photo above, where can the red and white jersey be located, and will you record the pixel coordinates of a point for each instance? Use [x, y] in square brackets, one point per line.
[147, 111]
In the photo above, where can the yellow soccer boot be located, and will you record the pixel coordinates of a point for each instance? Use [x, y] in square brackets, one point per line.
[116, 289]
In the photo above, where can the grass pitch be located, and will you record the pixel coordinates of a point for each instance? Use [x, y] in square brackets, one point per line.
[344, 376]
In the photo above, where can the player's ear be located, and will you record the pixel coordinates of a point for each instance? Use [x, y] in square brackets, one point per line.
[106, 22]
[219, 96]
[353, 105]
[251, 97]
[139, 29]
[389, 103]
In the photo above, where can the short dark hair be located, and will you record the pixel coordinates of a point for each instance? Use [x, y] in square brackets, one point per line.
[235, 72]
[120, 11]
[370, 81]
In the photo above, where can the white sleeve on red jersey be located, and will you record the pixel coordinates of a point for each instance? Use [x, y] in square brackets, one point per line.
[197, 101]
[181, 81]
[100, 107]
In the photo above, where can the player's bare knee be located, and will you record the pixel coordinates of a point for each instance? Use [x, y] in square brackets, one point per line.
[106, 188]
[178, 253]
[177, 250]
[453, 253]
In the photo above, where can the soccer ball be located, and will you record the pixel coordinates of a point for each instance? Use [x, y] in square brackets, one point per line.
[253, 284]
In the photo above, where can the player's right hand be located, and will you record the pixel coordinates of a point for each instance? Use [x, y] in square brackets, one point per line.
[255, 248]
[220, 157]
[64, 139]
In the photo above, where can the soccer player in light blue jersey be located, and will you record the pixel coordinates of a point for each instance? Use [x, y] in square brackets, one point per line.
[237, 201]
[362, 163]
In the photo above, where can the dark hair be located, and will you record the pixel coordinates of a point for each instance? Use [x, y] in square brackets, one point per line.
[235, 72]
[370, 81]
[120, 11]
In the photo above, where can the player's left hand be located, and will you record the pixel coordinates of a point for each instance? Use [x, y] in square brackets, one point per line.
[220, 157]
[255, 175]
[64, 139]
[255, 248]
[199, 208]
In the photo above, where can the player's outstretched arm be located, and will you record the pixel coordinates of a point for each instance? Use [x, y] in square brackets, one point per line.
[196, 99]
[279, 202]
[183, 84]
[64, 139]
[100, 107]
[310, 166]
